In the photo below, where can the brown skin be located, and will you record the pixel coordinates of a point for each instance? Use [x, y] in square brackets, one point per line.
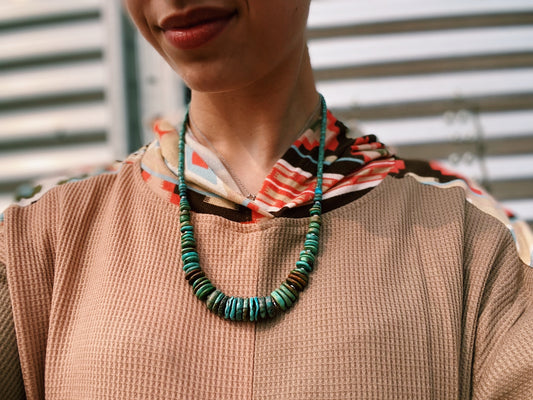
[252, 86]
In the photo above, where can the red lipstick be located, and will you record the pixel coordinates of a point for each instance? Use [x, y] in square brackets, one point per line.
[196, 27]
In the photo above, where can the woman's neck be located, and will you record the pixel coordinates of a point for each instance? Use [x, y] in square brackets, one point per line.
[252, 127]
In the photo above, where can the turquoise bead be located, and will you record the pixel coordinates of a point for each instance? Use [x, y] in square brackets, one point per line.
[312, 236]
[286, 299]
[315, 219]
[315, 212]
[188, 267]
[187, 236]
[279, 300]
[288, 292]
[187, 250]
[255, 300]
[217, 302]
[315, 225]
[233, 309]
[189, 245]
[271, 308]
[190, 257]
[186, 228]
[262, 307]
[305, 265]
[199, 282]
[204, 291]
[314, 231]
[227, 311]
[240, 305]
[307, 255]
[311, 246]
[210, 301]
[252, 309]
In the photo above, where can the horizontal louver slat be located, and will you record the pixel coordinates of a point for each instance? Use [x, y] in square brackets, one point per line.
[26, 45]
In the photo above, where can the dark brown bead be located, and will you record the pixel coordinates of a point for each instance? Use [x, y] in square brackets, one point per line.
[194, 275]
[295, 284]
[222, 307]
[296, 280]
[246, 310]
[216, 305]
[302, 276]
[276, 309]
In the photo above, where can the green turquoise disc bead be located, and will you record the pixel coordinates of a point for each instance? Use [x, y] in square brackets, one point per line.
[185, 227]
[191, 266]
[187, 250]
[252, 310]
[199, 282]
[240, 305]
[227, 310]
[222, 306]
[314, 231]
[288, 292]
[307, 256]
[271, 308]
[190, 257]
[312, 236]
[286, 298]
[212, 298]
[311, 245]
[262, 307]
[205, 291]
[304, 264]
[233, 314]
[214, 307]
[314, 225]
[279, 300]
[256, 308]
[231, 308]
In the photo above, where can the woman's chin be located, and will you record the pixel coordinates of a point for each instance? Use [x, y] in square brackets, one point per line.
[212, 81]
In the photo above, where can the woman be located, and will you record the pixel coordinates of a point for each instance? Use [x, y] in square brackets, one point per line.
[260, 250]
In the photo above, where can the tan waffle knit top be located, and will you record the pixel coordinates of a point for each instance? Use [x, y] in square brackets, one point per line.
[417, 294]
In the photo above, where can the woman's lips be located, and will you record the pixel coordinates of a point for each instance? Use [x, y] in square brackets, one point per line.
[195, 28]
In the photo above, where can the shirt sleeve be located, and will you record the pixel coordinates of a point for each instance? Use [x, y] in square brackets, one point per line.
[11, 383]
[503, 345]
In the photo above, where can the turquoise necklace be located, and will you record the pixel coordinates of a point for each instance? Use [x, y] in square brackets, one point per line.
[250, 308]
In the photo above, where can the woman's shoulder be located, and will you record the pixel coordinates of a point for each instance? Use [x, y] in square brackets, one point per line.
[439, 192]
[78, 184]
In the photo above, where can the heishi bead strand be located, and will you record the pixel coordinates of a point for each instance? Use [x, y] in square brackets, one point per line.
[250, 308]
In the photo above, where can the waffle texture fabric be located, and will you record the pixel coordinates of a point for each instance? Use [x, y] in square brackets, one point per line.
[417, 294]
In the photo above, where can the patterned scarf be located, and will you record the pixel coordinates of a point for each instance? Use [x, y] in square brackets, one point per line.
[353, 166]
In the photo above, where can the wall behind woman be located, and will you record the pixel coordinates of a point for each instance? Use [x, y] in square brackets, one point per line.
[446, 80]
[61, 88]
[449, 80]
